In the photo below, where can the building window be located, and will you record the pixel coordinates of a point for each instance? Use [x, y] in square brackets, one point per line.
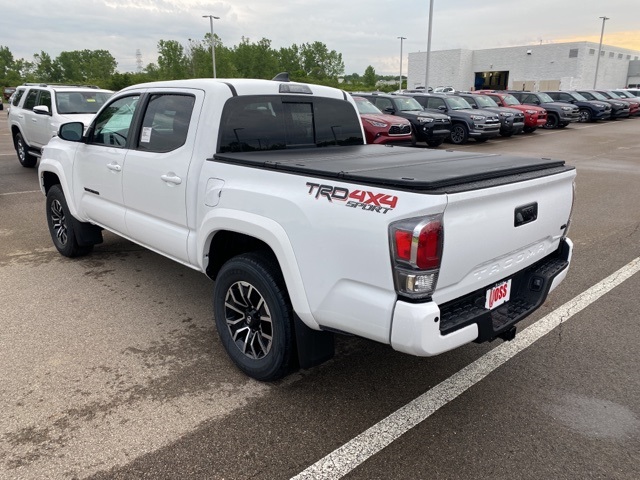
[602, 53]
[611, 54]
[628, 57]
[573, 53]
[635, 58]
[592, 51]
[619, 55]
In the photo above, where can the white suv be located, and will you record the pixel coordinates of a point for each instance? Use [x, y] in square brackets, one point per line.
[38, 110]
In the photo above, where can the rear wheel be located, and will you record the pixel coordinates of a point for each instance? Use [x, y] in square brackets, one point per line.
[26, 159]
[552, 121]
[459, 134]
[61, 225]
[254, 316]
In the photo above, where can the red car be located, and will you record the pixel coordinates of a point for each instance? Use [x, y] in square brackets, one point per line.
[534, 116]
[380, 127]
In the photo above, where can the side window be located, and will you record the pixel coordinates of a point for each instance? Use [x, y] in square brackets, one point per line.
[111, 127]
[166, 122]
[17, 96]
[31, 99]
[471, 101]
[45, 99]
[383, 103]
[496, 99]
[565, 97]
[435, 102]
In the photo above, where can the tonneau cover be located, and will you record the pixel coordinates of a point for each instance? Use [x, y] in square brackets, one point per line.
[403, 168]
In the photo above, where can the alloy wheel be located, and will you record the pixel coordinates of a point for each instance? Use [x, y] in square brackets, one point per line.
[59, 222]
[249, 320]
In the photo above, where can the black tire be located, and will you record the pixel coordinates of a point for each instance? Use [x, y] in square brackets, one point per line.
[254, 317]
[552, 121]
[434, 143]
[529, 129]
[585, 115]
[26, 159]
[563, 125]
[507, 134]
[62, 225]
[414, 139]
[459, 134]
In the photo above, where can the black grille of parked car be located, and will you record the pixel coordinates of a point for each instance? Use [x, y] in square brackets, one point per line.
[400, 129]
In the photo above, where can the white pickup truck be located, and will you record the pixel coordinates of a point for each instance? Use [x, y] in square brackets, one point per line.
[268, 188]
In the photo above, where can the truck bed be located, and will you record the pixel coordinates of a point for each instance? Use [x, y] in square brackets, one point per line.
[402, 168]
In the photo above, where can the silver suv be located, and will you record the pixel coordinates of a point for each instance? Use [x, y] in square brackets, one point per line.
[37, 111]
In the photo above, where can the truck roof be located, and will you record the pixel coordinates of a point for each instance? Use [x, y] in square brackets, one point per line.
[246, 86]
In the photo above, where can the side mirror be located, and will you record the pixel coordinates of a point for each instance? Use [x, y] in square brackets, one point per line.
[72, 131]
[41, 110]
[390, 110]
[442, 108]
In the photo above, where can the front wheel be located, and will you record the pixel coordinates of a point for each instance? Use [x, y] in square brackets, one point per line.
[61, 225]
[529, 129]
[459, 134]
[552, 122]
[254, 317]
[586, 115]
[24, 157]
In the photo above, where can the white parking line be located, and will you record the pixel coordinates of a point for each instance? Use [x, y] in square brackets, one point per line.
[344, 459]
[18, 193]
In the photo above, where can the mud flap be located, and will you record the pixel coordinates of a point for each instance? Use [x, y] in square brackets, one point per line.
[314, 346]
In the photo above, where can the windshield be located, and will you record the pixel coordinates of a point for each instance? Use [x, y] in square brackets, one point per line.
[510, 100]
[545, 98]
[407, 104]
[457, 103]
[622, 94]
[365, 106]
[80, 102]
[578, 96]
[485, 102]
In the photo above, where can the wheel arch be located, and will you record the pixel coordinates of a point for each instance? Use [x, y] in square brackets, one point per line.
[225, 234]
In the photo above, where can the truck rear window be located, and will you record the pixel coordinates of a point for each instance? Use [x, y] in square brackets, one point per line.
[277, 122]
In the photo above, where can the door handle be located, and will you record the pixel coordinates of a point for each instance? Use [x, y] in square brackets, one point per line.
[171, 178]
[114, 167]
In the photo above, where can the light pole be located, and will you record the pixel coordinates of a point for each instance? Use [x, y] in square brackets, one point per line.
[400, 83]
[213, 43]
[426, 73]
[595, 79]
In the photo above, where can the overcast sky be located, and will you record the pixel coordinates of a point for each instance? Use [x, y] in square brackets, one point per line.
[364, 31]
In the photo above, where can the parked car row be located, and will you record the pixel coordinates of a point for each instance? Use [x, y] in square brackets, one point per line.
[484, 114]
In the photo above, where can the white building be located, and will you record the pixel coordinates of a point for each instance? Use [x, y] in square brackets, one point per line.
[556, 66]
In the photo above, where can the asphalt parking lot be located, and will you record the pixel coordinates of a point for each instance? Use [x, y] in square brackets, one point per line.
[111, 366]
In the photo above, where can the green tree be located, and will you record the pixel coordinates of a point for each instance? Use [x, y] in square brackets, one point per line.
[46, 69]
[255, 60]
[319, 63]
[172, 62]
[369, 78]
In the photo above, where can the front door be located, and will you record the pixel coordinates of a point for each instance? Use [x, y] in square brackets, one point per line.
[100, 162]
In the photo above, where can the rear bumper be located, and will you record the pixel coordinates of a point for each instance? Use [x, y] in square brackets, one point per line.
[426, 329]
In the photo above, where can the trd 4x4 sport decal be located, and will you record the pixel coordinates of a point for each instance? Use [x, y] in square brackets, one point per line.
[369, 201]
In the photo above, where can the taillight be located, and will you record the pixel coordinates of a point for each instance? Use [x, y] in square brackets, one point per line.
[416, 251]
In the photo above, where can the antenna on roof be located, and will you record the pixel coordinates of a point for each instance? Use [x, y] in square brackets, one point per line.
[281, 77]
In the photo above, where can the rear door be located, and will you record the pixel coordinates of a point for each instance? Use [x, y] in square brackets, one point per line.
[156, 172]
[36, 125]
